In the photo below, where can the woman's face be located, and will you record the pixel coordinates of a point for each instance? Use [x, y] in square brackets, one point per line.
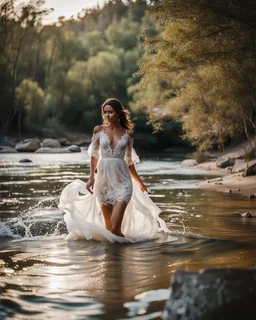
[109, 114]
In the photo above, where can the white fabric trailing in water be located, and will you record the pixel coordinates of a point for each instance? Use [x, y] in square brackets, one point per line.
[84, 219]
[113, 182]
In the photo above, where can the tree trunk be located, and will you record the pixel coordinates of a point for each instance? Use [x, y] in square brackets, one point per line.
[37, 57]
[50, 62]
[252, 144]
[13, 110]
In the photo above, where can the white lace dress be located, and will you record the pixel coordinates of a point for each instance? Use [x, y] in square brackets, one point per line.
[113, 182]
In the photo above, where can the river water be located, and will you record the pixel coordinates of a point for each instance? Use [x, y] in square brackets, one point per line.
[44, 276]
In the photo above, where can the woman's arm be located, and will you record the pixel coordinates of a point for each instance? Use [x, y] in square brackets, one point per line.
[131, 167]
[93, 164]
[90, 183]
[136, 177]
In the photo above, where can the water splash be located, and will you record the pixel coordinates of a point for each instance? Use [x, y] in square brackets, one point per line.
[43, 219]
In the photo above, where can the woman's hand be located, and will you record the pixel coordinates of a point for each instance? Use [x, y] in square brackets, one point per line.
[143, 188]
[90, 185]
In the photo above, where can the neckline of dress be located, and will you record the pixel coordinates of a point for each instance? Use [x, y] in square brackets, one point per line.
[113, 149]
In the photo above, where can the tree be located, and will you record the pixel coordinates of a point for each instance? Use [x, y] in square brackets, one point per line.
[16, 28]
[206, 56]
[123, 35]
[5, 95]
[31, 97]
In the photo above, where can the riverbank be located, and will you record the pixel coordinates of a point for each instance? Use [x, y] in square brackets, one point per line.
[232, 183]
[228, 181]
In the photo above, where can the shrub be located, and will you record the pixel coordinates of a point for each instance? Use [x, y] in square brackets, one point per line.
[201, 156]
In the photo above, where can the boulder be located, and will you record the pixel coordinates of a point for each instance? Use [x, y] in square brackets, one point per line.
[239, 166]
[250, 168]
[74, 148]
[78, 141]
[64, 141]
[242, 215]
[212, 294]
[223, 162]
[81, 141]
[51, 143]
[6, 149]
[189, 163]
[52, 150]
[28, 145]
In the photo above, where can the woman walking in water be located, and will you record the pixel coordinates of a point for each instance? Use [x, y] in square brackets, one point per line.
[114, 184]
[111, 206]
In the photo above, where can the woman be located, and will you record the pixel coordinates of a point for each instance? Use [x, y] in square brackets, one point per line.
[128, 212]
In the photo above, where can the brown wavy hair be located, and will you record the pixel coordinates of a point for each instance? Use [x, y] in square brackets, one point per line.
[124, 114]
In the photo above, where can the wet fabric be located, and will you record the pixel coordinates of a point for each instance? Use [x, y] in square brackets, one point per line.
[113, 183]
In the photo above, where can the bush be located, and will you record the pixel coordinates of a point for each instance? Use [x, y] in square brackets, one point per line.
[201, 156]
[31, 97]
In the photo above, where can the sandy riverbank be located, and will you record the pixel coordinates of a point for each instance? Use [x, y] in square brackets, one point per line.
[228, 182]
[232, 183]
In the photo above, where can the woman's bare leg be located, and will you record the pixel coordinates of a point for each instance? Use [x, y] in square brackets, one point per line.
[117, 217]
[107, 212]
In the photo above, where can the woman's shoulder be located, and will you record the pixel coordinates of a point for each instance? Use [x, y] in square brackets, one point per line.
[130, 133]
[97, 129]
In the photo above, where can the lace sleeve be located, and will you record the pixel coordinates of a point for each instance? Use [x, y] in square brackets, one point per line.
[94, 147]
[131, 156]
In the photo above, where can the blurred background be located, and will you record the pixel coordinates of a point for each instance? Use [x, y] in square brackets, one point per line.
[185, 70]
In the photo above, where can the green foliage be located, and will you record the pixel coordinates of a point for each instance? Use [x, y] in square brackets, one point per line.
[5, 94]
[124, 35]
[204, 64]
[52, 127]
[103, 71]
[59, 74]
[136, 9]
[94, 42]
[201, 156]
[30, 96]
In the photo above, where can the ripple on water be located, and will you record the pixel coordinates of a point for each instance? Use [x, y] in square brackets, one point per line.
[46, 277]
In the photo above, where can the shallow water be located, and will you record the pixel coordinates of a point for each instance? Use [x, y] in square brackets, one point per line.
[43, 276]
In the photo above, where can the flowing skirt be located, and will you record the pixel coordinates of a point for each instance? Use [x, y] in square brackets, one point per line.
[84, 219]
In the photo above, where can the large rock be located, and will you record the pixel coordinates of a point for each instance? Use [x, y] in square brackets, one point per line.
[239, 166]
[223, 162]
[51, 143]
[212, 294]
[28, 145]
[74, 148]
[52, 150]
[83, 140]
[250, 168]
[64, 141]
[189, 163]
[6, 149]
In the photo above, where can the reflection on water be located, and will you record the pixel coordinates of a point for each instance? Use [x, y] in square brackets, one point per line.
[45, 277]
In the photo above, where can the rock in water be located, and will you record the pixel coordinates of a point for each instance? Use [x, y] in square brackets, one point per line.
[74, 148]
[51, 143]
[28, 145]
[25, 160]
[212, 294]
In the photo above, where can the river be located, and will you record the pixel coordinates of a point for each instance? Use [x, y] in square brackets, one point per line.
[44, 276]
